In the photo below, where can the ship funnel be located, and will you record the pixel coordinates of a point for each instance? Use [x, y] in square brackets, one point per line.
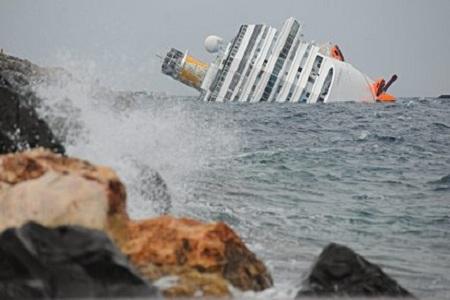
[213, 44]
[184, 68]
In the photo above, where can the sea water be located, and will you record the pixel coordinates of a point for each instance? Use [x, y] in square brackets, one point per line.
[289, 178]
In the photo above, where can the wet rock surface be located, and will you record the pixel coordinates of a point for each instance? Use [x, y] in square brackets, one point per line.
[20, 74]
[339, 271]
[21, 127]
[65, 262]
[17, 73]
[152, 187]
[209, 253]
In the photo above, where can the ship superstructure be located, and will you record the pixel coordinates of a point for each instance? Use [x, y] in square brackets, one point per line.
[265, 64]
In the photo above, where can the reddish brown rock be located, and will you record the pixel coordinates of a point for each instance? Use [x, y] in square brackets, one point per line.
[166, 244]
[53, 190]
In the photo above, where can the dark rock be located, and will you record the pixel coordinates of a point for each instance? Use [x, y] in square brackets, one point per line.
[339, 271]
[65, 262]
[6, 143]
[20, 74]
[444, 97]
[20, 126]
[152, 187]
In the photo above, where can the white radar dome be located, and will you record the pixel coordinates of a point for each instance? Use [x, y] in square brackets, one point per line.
[213, 43]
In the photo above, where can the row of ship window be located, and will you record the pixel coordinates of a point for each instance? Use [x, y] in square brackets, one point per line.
[277, 68]
[288, 66]
[228, 61]
[280, 61]
[252, 63]
[242, 64]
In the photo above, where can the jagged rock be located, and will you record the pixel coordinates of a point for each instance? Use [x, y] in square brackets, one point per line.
[20, 77]
[15, 72]
[20, 74]
[6, 143]
[55, 199]
[20, 126]
[65, 262]
[339, 271]
[209, 253]
[56, 190]
[152, 188]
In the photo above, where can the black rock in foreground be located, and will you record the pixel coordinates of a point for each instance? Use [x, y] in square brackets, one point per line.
[339, 271]
[65, 262]
[20, 126]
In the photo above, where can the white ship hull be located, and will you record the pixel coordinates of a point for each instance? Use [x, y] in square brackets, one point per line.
[263, 64]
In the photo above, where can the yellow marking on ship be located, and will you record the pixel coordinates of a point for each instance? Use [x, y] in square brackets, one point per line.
[193, 72]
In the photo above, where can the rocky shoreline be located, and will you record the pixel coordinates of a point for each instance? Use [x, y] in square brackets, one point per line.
[20, 125]
[65, 231]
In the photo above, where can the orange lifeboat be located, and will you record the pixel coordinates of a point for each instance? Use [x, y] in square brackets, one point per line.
[380, 87]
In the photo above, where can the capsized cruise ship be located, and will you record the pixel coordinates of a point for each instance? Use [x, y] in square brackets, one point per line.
[265, 64]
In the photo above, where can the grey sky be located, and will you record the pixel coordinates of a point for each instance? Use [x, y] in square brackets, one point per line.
[380, 37]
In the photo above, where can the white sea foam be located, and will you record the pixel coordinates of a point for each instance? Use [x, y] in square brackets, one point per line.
[168, 136]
